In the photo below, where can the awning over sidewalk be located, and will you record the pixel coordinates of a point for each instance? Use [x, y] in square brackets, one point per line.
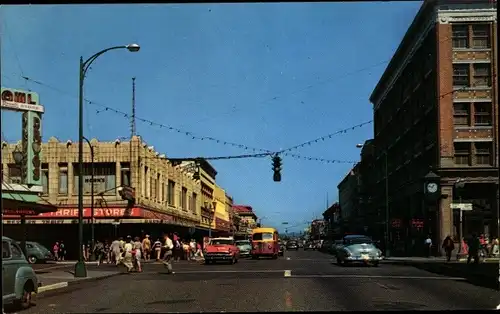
[22, 207]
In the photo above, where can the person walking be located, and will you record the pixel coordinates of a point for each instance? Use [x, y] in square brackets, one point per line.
[167, 257]
[448, 246]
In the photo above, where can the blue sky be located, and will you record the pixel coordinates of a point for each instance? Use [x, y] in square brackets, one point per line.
[264, 75]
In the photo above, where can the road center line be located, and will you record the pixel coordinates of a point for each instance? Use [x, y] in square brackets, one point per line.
[208, 271]
[288, 273]
[378, 277]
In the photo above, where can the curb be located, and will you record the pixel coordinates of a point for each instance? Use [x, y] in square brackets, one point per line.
[61, 287]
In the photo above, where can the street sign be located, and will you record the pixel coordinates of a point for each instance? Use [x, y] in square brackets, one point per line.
[461, 206]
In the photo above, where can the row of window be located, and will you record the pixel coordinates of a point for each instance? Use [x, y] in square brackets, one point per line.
[476, 36]
[475, 74]
[105, 182]
[482, 114]
[472, 154]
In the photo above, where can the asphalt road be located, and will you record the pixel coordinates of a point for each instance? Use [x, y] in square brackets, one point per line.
[301, 281]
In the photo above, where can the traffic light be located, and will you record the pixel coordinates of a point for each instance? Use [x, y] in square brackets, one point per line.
[277, 168]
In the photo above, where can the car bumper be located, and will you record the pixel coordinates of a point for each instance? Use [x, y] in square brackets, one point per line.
[360, 259]
[209, 257]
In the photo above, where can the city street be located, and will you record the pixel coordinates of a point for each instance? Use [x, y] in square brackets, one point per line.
[300, 281]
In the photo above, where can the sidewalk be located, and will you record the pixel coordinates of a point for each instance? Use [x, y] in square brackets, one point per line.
[56, 280]
[483, 274]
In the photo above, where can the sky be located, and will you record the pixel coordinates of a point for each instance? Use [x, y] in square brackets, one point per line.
[268, 76]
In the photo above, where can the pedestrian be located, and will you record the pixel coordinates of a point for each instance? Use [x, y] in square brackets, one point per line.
[428, 246]
[167, 257]
[146, 246]
[62, 250]
[448, 246]
[116, 251]
[55, 250]
[127, 254]
[99, 252]
[474, 246]
[157, 248]
[138, 253]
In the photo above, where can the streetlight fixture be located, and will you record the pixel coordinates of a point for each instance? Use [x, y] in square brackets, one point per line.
[17, 155]
[387, 223]
[211, 207]
[80, 268]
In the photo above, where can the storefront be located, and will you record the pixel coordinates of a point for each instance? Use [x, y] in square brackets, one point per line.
[109, 223]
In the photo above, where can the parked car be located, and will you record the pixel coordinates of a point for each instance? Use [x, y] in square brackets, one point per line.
[245, 247]
[19, 280]
[221, 249]
[37, 253]
[358, 249]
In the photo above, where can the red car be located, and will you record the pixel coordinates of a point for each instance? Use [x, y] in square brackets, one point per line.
[221, 249]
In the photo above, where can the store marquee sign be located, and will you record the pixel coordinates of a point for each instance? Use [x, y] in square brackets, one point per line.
[20, 100]
[98, 213]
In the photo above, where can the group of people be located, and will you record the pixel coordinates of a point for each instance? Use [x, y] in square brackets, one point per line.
[131, 251]
[472, 247]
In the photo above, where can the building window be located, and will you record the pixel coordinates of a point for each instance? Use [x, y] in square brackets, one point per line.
[462, 153]
[171, 193]
[63, 179]
[125, 174]
[184, 203]
[15, 175]
[461, 114]
[104, 178]
[194, 200]
[481, 36]
[154, 189]
[483, 153]
[482, 74]
[482, 114]
[45, 179]
[460, 36]
[460, 75]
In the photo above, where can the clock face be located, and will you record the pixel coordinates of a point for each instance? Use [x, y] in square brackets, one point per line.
[432, 187]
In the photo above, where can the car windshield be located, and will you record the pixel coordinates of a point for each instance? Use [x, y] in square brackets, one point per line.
[242, 243]
[221, 242]
[262, 236]
[360, 240]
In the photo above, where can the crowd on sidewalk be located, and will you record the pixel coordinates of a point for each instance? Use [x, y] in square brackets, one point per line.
[473, 247]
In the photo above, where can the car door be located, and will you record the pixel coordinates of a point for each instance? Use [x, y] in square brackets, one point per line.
[8, 272]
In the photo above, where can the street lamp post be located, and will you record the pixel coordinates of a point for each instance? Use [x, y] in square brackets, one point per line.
[92, 230]
[80, 269]
[387, 222]
[211, 207]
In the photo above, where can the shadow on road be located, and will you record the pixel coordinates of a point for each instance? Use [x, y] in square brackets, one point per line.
[483, 275]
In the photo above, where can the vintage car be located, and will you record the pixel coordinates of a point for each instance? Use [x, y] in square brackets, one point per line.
[221, 249]
[358, 249]
[245, 247]
[37, 253]
[19, 281]
[292, 245]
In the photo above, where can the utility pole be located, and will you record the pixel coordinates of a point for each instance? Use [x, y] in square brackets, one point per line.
[132, 130]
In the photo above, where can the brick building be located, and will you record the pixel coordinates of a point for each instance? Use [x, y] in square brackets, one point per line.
[436, 107]
[167, 198]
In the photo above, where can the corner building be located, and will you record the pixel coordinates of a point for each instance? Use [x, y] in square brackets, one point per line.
[167, 198]
[436, 108]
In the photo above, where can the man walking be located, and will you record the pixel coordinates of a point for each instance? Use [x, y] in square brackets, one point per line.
[167, 257]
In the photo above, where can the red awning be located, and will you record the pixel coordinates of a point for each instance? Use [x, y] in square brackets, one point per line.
[16, 207]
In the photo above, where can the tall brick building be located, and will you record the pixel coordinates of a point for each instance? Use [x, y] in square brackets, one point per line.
[436, 107]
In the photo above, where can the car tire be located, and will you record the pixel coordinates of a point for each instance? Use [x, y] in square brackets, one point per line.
[32, 259]
[233, 261]
[375, 264]
[207, 262]
[27, 297]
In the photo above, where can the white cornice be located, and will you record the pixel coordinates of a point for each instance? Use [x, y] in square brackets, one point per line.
[470, 15]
